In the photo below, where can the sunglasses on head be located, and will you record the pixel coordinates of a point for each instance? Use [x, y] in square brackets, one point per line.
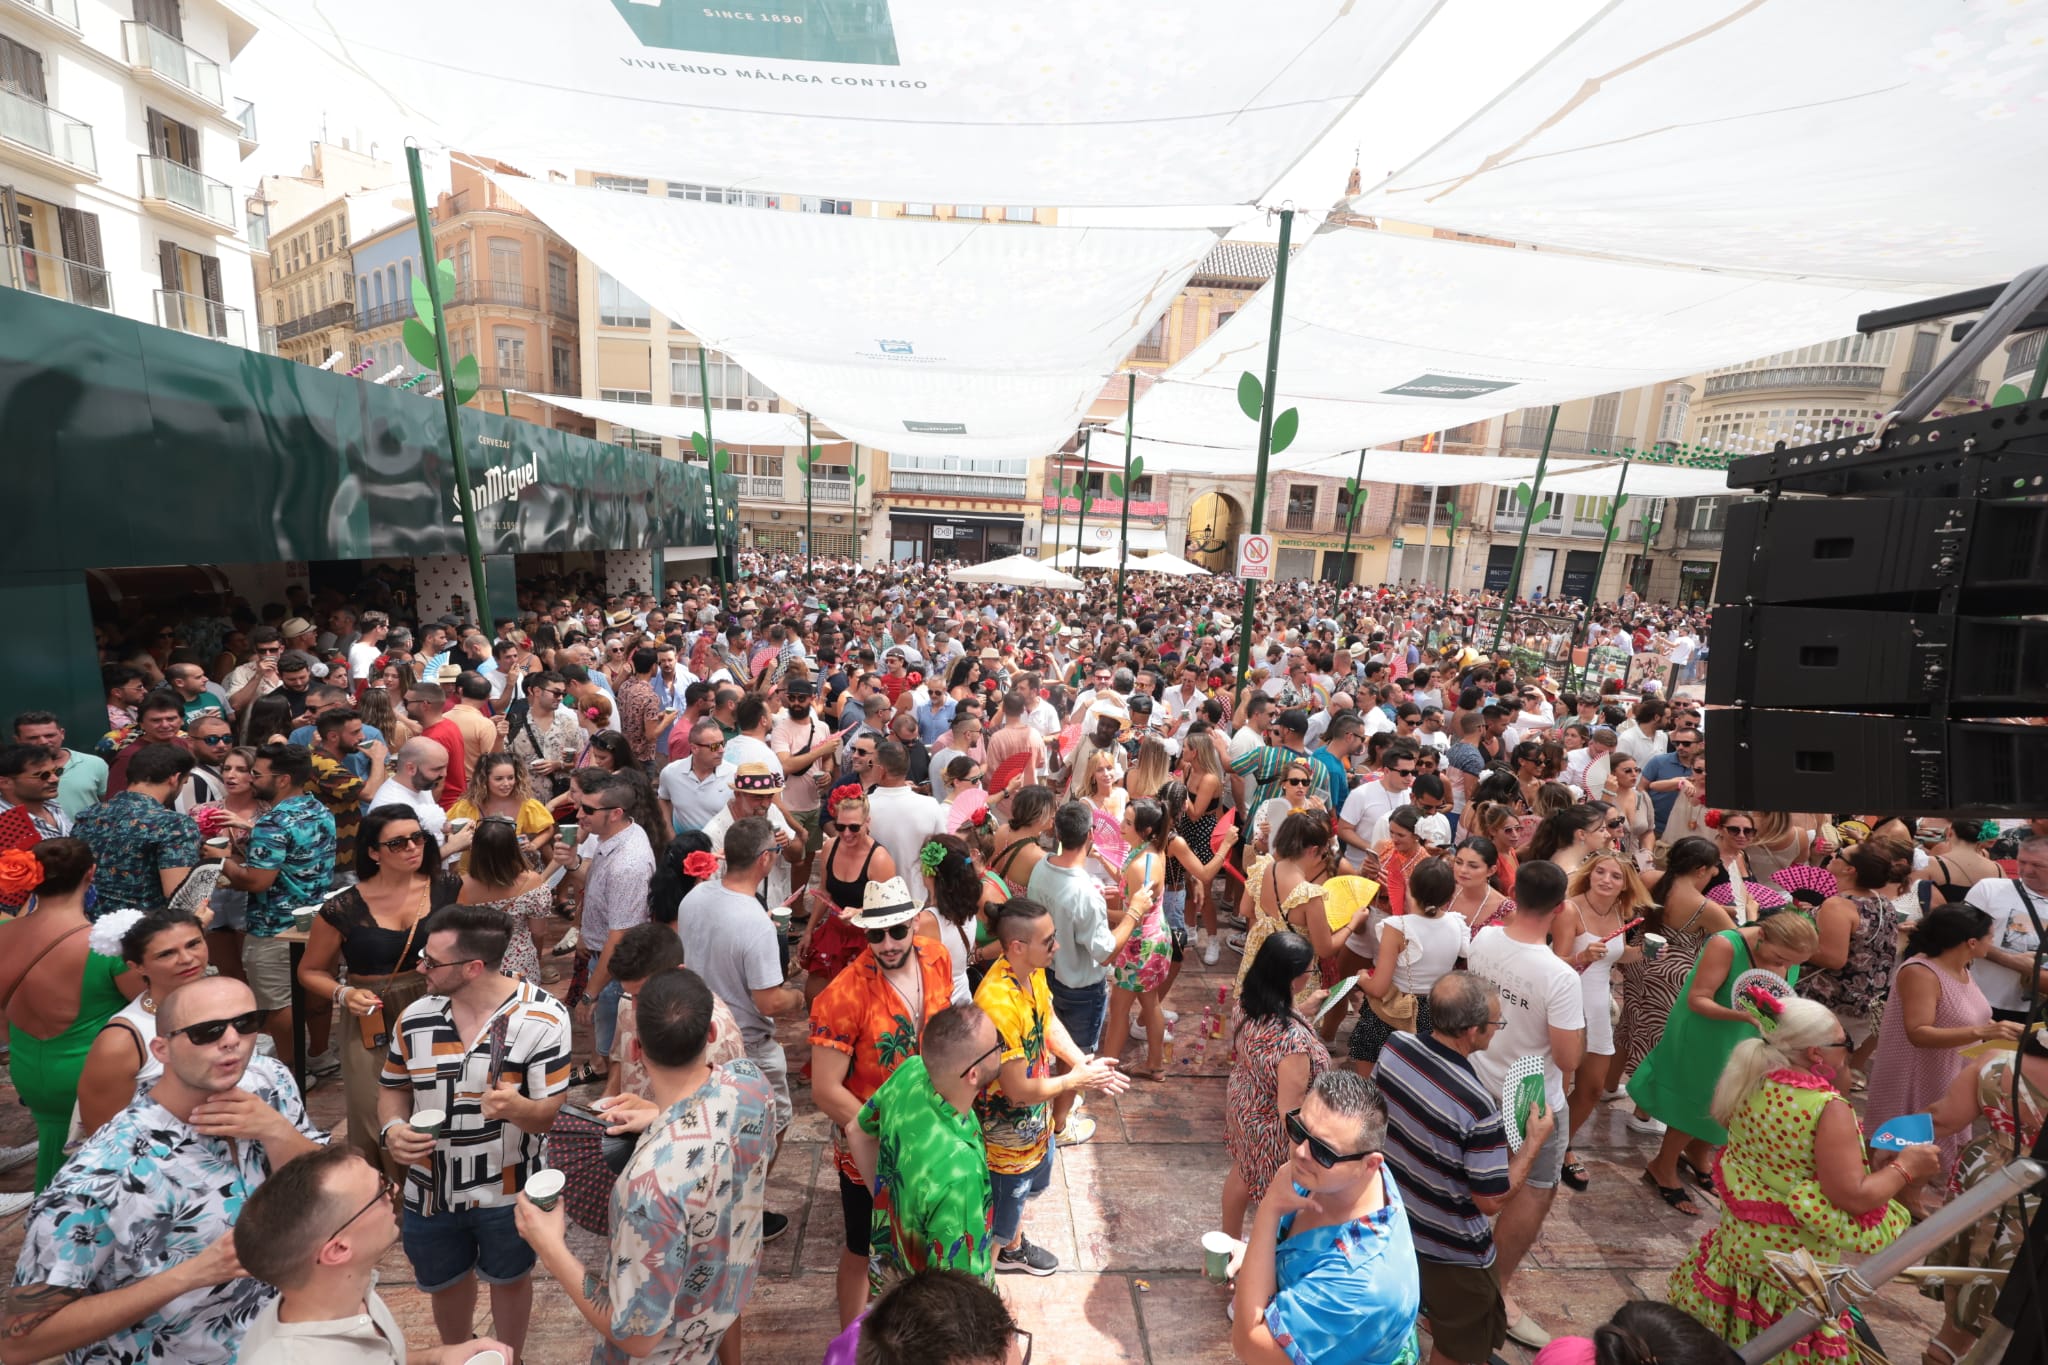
[894, 931]
[1324, 1155]
[212, 1030]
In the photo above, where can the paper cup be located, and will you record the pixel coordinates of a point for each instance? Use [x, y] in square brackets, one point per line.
[545, 1187]
[302, 917]
[1653, 944]
[428, 1121]
[1217, 1249]
[456, 826]
[486, 1358]
[217, 841]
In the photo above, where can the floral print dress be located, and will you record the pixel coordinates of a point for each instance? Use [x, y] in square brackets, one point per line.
[1146, 958]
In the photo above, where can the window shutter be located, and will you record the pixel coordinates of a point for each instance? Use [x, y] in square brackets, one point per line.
[167, 264]
[21, 70]
[162, 14]
[10, 217]
[158, 129]
[209, 278]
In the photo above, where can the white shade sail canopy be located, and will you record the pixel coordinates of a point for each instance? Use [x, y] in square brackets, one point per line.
[731, 428]
[1644, 481]
[1389, 336]
[1058, 102]
[914, 337]
[1167, 563]
[1421, 468]
[1015, 571]
[1878, 141]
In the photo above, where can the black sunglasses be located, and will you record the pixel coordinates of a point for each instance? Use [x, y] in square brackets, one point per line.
[993, 1051]
[416, 839]
[845, 828]
[385, 1186]
[210, 1031]
[1325, 1156]
[894, 931]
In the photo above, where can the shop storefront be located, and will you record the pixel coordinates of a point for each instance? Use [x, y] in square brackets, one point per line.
[137, 446]
[937, 537]
[1696, 583]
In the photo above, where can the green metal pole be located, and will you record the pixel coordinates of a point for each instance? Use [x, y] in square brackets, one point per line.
[1507, 600]
[1059, 500]
[810, 472]
[464, 499]
[1351, 520]
[1266, 414]
[1600, 565]
[1081, 525]
[1123, 533]
[711, 469]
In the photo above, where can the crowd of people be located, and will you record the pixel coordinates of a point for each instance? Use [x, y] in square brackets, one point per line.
[550, 890]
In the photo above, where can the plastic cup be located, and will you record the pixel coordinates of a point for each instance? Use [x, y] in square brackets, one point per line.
[1217, 1249]
[217, 841]
[1653, 944]
[545, 1187]
[428, 1121]
[302, 918]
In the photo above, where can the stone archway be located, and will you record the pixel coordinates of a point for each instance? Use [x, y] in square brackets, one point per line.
[1215, 519]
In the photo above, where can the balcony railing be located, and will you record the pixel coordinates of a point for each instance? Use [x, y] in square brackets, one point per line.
[1107, 506]
[259, 231]
[767, 486]
[1797, 377]
[505, 377]
[2022, 358]
[171, 183]
[496, 294]
[1695, 539]
[562, 307]
[1301, 519]
[61, 12]
[245, 115]
[973, 485]
[334, 315]
[43, 130]
[1512, 521]
[832, 490]
[1562, 442]
[383, 315]
[157, 52]
[200, 317]
[53, 277]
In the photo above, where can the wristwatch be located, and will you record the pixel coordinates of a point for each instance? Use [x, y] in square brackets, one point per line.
[384, 1133]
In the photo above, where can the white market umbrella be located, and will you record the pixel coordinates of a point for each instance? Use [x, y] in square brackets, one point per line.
[1167, 562]
[1016, 571]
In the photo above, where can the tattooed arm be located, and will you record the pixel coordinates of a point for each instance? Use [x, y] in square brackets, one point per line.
[38, 1321]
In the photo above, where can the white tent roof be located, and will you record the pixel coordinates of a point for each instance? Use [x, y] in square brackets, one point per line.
[1102, 533]
[1421, 468]
[1826, 139]
[1062, 102]
[731, 428]
[914, 337]
[1389, 336]
[1166, 563]
[1016, 571]
[1644, 481]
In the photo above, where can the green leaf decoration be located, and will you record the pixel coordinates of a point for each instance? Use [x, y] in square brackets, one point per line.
[1522, 496]
[467, 376]
[1137, 468]
[2008, 393]
[859, 479]
[1620, 501]
[422, 304]
[1251, 395]
[1116, 484]
[803, 465]
[445, 271]
[419, 343]
[722, 461]
[1284, 427]
[702, 445]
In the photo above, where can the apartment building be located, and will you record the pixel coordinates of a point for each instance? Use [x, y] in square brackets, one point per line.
[120, 151]
[305, 282]
[515, 304]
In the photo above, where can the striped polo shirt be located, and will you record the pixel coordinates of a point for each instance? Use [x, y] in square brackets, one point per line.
[1445, 1143]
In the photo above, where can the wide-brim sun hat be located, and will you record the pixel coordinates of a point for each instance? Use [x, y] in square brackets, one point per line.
[886, 904]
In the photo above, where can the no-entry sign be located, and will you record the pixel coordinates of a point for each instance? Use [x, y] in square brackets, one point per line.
[1255, 557]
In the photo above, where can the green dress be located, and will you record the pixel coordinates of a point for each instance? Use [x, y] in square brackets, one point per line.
[1675, 1083]
[45, 1071]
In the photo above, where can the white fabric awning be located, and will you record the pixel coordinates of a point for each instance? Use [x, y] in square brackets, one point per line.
[1058, 102]
[912, 337]
[1389, 336]
[1102, 534]
[1017, 571]
[1827, 139]
[1421, 468]
[731, 428]
[1644, 481]
[1167, 563]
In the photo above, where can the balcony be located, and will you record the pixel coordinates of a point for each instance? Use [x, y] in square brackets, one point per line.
[495, 294]
[38, 272]
[181, 193]
[2022, 358]
[1512, 522]
[383, 315]
[505, 377]
[763, 486]
[245, 119]
[562, 307]
[1862, 377]
[42, 139]
[832, 490]
[454, 206]
[334, 315]
[259, 231]
[200, 317]
[1300, 519]
[156, 54]
[1692, 538]
[969, 485]
[1562, 442]
[58, 15]
[1105, 506]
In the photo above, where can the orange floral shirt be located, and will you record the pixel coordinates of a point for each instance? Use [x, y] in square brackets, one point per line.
[861, 1015]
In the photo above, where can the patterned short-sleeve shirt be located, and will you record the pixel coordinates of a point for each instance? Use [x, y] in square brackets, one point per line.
[933, 1201]
[294, 838]
[686, 1220]
[861, 1015]
[1016, 1134]
[142, 1194]
[478, 1162]
[132, 836]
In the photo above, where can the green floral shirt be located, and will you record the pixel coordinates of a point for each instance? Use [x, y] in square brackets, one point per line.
[933, 1203]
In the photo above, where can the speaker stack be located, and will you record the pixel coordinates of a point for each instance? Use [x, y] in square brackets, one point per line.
[1883, 646]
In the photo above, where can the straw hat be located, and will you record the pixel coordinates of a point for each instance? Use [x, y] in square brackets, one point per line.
[886, 904]
[757, 779]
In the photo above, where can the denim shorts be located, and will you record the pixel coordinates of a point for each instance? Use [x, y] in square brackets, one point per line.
[1174, 905]
[1081, 1011]
[446, 1247]
[1010, 1193]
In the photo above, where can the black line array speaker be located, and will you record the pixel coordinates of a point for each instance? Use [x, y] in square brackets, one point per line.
[1833, 658]
[1832, 761]
[1887, 552]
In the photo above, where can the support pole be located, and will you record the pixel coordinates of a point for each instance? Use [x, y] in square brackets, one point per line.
[810, 473]
[464, 498]
[1507, 600]
[1429, 540]
[1123, 534]
[711, 469]
[1266, 414]
[1351, 519]
[1599, 568]
[1059, 501]
[1081, 525]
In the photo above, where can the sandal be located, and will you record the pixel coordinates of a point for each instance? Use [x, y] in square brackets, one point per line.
[583, 1075]
[1673, 1195]
[1703, 1179]
[1573, 1174]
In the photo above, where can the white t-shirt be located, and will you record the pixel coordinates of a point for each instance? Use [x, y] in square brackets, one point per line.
[777, 887]
[433, 819]
[1364, 808]
[1538, 992]
[747, 749]
[1430, 947]
[902, 819]
[361, 658]
[2011, 929]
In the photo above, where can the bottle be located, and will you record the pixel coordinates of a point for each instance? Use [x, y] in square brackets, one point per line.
[1208, 1030]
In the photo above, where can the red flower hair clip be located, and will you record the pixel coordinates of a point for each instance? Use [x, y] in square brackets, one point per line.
[850, 791]
[700, 865]
[981, 819]
[915, 677]
[1713, 819]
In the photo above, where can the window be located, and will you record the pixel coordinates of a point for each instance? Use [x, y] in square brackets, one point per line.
[973, 211]
[379, 291]
[463, 264]
[1606, 415]
[626, 396]
[174, 141]
[618, 306]
[405, 277]
[510, 348]
[363, 291]
[1677, 406]
[1301, 505]
[561, 369]
[839, 206]
[507, 267]
[1141, 489]
[1343, 506]
[918, 210]
[711, 194]
[1152, 346]
[1017, 215]
[765, 466]
[558, 285]
[1709, 514]
[1587, 511]
[1224, 316]
[624, 184]
[731, 385]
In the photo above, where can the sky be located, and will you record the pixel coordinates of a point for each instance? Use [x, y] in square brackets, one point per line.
[1469, 51]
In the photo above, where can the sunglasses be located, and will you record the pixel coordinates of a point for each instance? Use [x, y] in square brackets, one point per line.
[1739, 831]
[212, 1030]
[416, 839]
[428, 964]
[385, 1186]
[992, 1052]
[845, 828]
[1684, 743]
[1404, 772]
[1617, 824]
[1323, 1154]
[894, 931]
[1295, 782]
[46, 774]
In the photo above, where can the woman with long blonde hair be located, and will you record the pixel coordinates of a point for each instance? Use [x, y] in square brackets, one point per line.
[375, 708]
[1590, 933]
[1152, 770]
[1207, 784]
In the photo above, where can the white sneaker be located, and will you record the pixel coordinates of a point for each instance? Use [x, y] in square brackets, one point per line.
[327, 1063]
[1636, 1125]
[12, 1158]
[1212, 951]
[1171, 1016]
[1235, 943]
[1138, 1032]
[11, 1204]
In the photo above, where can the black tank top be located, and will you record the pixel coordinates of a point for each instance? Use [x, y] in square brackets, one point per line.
[849, 895]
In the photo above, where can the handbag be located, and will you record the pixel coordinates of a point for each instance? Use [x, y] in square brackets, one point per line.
[1397, 1011]
[374, 1028]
